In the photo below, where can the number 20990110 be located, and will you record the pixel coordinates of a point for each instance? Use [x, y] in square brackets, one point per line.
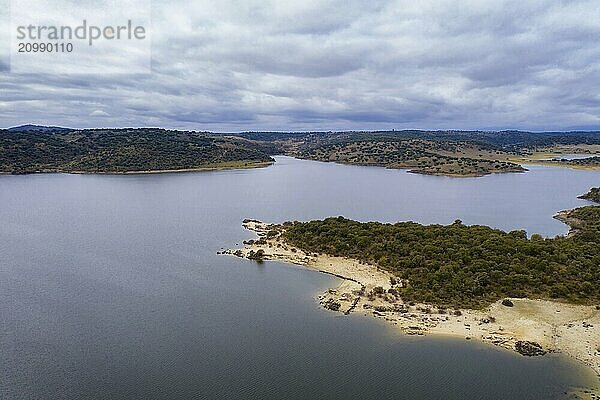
[27, 47]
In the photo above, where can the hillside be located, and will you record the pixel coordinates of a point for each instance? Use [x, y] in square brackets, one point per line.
[33, 148]
[417, 155]
[124, 150]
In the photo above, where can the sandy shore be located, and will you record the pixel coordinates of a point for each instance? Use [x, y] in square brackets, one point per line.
[530, 327]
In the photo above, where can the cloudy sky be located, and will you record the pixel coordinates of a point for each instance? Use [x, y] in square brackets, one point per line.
[333, 65]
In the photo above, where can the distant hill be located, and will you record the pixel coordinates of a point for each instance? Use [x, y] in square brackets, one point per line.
[442, 152]
[124, 150]
[35, 148]
[508, 139]
[38, 128]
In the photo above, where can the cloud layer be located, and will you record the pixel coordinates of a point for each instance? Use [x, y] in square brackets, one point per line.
[304, 65]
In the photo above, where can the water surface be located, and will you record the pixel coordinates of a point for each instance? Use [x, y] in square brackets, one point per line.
[571, 157]
[110, 287]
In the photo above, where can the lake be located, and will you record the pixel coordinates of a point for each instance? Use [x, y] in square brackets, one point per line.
[572, 157]
[110, 287]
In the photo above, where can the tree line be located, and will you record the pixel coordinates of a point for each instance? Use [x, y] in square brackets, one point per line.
[466, 266]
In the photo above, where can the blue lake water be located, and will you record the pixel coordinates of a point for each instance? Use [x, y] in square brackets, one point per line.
[110, 287]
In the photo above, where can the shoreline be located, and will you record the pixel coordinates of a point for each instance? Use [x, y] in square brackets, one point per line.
[216, 167]
[174, 171]
[481, 175]
[564, 216]
[549, 163]
[529, 327]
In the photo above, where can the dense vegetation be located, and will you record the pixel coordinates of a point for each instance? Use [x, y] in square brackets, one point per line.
[580, 162]
[420, 156]
[516, 142]
[508, 140]
[452, 153]
[467, 266]
[32, 148]
[122, 150]
[592, 195]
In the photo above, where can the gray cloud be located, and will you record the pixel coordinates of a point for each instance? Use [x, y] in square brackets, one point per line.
[303, 65]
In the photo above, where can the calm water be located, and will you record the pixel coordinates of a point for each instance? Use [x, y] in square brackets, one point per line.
[110, 287]
[573, 156]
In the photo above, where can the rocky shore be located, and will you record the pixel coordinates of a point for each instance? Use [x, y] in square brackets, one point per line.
[567, 218]
[529, 327]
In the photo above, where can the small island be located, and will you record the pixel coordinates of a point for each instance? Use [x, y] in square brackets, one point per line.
[531, 295]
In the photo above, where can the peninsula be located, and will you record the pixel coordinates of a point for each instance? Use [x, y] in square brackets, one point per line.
[145, 150]
[532, 295]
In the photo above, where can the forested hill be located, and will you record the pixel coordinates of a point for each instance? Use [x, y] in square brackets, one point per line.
[467, 266]
[33, 148]
[507, 139]
[124, 150]
[449, 153]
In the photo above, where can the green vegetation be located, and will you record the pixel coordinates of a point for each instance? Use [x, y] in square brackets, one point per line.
[592, 195]
[451, 153]
[31, 148]
[509, 141]
[467, 266]
[420, 156]
[584, 222]
[124, 150]
[593, 162]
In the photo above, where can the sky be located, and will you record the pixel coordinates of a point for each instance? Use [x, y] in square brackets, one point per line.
[228, 66]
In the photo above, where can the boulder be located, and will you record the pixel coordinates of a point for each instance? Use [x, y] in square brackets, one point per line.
[257, 256]
[507, 303]
[529, 349]
[332, 305]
